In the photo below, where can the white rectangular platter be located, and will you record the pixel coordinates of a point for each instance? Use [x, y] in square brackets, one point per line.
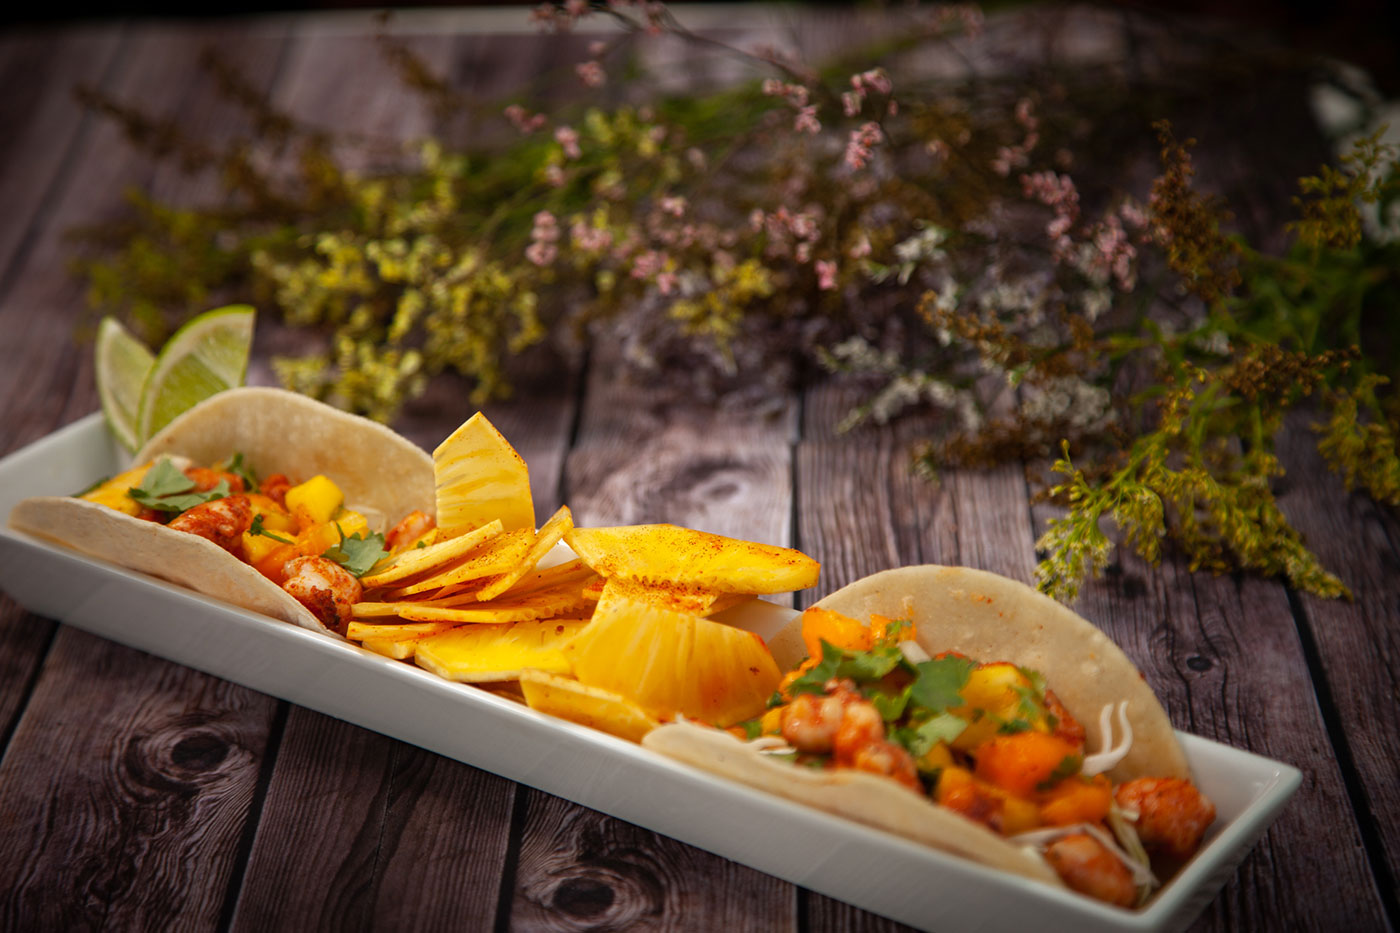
[871, 869]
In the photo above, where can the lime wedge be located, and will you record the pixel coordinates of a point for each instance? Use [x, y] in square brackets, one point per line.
[122, 362]
[206, 356]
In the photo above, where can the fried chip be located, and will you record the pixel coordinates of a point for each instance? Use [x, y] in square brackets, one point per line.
[497, 556]
[669, 553]
[485, 653]
[588, 706]
[550, 534]
[416, 560]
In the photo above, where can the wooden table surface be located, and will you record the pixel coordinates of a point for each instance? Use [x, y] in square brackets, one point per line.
[139, 794]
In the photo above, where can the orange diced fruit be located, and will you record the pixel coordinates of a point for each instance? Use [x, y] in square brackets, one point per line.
[838, 630]
[1022, 762]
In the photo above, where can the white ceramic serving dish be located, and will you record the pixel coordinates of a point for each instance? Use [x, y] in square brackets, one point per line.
[871, 869]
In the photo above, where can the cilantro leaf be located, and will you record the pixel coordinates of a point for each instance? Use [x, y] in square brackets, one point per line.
[890, 705]
[945, 727]
[1069, 766]
[258, 529]
[814, 681]
[753, 728]
[357, 554]
[869, 666]
[940, 681]
[166, 489]
[238, 468]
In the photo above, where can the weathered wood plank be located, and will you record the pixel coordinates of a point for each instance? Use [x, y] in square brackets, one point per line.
[42, 120]
[1357, 642]
[642, 458]
[158, 842]
[362, 832]
[124, 792]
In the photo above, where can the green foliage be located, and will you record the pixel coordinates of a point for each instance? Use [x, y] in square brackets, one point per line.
[925, 239]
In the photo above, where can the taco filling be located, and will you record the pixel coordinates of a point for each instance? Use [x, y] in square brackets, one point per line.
[986, 739]
[301, 535]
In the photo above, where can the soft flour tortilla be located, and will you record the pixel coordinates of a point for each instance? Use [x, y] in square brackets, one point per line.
[987, 618]
[277, 432]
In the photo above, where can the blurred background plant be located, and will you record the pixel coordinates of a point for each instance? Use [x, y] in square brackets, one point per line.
[923, 229]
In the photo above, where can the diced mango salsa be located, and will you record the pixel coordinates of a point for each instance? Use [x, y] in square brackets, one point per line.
[315, 501]
[112, 493]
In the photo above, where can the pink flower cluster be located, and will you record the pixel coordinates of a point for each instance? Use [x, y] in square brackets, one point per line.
[1018, 156]
[826, 274]
[797, 95]
[789, 234]
[652, 265]
[862, 143]
[544, 238]
[568, 138]
[1059, 194]
[1113, 253]
[589, 238]
[523, 120]
[591, 73]
[873, 81]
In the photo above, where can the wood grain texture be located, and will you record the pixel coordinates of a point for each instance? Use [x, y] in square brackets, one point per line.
[41, 118]
[582, 871]
[361, 832]
[125, 787]
[642, 459]
[1357, 641]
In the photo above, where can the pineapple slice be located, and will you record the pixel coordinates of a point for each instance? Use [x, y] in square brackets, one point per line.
[541, 604]
[683, 556]
[670, 662]
[552, 532]
[588, 706]
[485, 653]
[396, 631]
[499, 555]
[479, 478]
[676, 596]
[417, 560]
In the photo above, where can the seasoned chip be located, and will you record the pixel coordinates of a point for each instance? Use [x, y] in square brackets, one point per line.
[476, 653]
[549, 535]
[480, 477]
[588, 706]
[668, 553]
[496, 556]
[429, 557]
[396, 631]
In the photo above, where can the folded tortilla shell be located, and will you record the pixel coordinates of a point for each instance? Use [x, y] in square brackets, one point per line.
[985, 617]
[988, 617]
[277, 432]
[865, 798]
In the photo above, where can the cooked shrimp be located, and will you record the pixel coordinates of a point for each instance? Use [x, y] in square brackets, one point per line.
[1172, 814]
[275, 488]
[1066, 726]
[1087, 866]
[222, 521]
[861, 725]
[324, 587]
[889, 759]
[811, 722]
[414, 525]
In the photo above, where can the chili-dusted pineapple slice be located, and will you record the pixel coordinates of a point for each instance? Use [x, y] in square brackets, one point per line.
[541, 604]
[499, 555]
[480, 477]
[574, 572]
[549, 535]
[670, 662]
[485, 653]
[665, 594]
[588, 706]
[398, 649]
[669, 553]
[418, 560]
[396, 631]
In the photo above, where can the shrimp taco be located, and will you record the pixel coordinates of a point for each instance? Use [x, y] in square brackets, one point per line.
[968, 712]
[260, 497]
